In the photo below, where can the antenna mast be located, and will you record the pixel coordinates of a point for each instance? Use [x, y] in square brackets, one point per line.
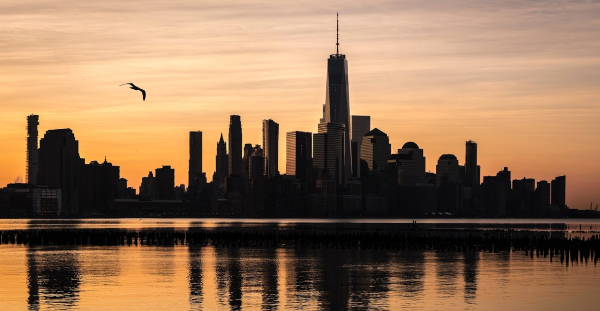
[337, 33]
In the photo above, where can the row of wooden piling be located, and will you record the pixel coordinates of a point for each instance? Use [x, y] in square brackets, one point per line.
[568, 249]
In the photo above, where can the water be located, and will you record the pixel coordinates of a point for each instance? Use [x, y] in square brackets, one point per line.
[214, 277]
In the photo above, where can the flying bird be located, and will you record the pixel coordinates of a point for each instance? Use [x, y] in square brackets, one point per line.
[133, 87]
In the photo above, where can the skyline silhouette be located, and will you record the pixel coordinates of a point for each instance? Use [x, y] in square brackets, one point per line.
[530, 107]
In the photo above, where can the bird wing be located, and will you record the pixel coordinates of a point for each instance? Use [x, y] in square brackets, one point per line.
[143, 94]
[125, 83]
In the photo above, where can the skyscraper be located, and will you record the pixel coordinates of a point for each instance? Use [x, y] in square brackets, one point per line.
[411, 172]
[558, 191]
[298, 146]
[32, 149]
[328, 153]
[248, 150]
[271, 147]
[59, 166]
[165, 183]
[235, 145]
[195, 162]
[376, 149]
[337, 106]
[447, 169]
[360, 126]
[256, 169]
[472, 178]
[222, 163]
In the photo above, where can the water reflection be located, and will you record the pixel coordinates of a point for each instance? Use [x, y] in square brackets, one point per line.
[470, 260]
[53, 278]
[270, 292]
[195, 276]
[447, 273]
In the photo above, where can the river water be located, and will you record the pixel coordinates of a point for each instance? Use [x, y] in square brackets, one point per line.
[213, 277]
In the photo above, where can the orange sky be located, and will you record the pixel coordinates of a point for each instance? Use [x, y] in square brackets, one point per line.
[519, 78]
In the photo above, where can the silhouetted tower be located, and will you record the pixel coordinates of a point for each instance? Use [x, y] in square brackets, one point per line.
[32, 149]
[558, 191]
[222, 163]
[257, 163]
[376, 149]
[235, 145]
[248, 150]
[165, 183]
[298, 153]
[59, 166]
[411, 171]
[328, 152]
[271, 147]
[195, 162]
[472, 178]
[337, 105]
[361, 125]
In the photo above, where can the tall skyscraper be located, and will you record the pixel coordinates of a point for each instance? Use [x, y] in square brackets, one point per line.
[376, 149]
[472, 178]
[32, 148]
[328, 152]
[235, 145]
[337, 105]
[59, 166]
[271, 147]
[195, 162]
[165, 183]
[298, 147]
[222, 163]
[558, 191]
[361, 125]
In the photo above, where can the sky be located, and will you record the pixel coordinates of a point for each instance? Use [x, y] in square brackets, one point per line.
[521, 78]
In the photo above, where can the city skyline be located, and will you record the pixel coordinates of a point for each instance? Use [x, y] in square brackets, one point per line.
[531, 139]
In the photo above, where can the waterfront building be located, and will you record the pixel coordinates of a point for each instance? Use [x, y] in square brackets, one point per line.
[32, 149]
[271, 147]
[59, 167]
[235, 145]
[298, 153]
[376, 149]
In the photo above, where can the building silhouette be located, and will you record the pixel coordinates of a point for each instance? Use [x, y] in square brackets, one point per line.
[361, 125]
[257, 163]
[337, 104]
[32, 148]
[411, 168]
[98, 185]
[148, 187]
[195, 176]
[472, 178]
[449, 184]
[559, 187]
[221, 165]
[59, 166]
[298, 153]
[165, 183]
[248, 150]
[235, 145]
[271, 147]
[376, 149]
[328, 151]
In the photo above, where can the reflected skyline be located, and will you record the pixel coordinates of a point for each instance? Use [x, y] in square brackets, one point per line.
[237, 278]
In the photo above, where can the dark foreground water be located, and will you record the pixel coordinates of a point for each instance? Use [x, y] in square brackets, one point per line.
[282, 275]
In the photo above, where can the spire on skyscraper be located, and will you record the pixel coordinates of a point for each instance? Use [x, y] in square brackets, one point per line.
[337, 33]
